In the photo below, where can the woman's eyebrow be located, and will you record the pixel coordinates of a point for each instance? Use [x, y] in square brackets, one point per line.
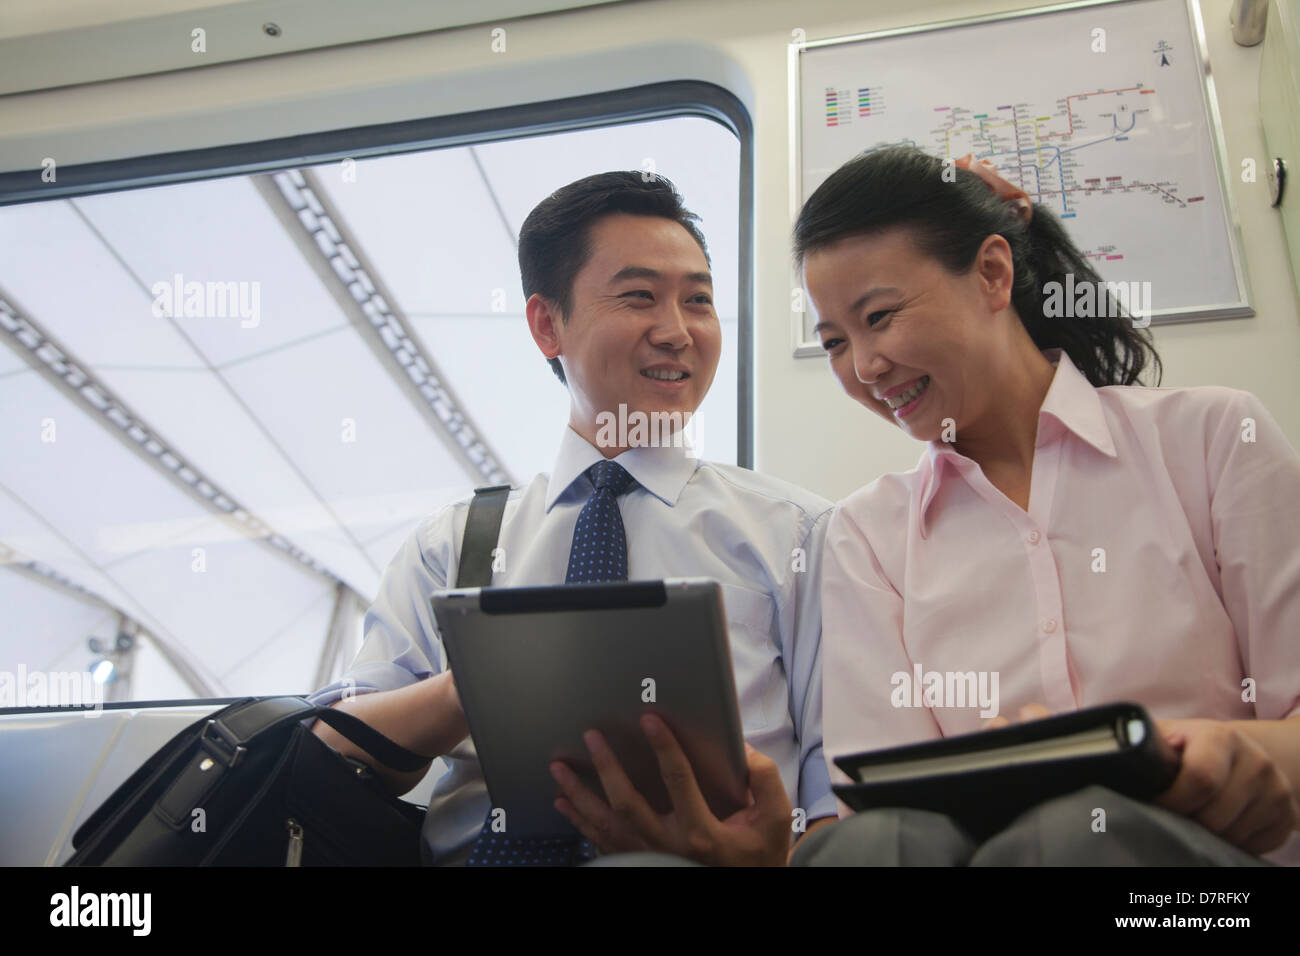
[868, 296]
[861, 301]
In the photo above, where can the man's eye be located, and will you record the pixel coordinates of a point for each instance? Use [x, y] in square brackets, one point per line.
[703, 298]
[830, 344]
[875, 317]
[638, 292]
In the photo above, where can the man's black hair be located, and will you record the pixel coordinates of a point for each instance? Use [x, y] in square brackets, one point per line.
[555, 241]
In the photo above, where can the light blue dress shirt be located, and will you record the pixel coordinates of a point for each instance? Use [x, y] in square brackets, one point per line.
[760, 538]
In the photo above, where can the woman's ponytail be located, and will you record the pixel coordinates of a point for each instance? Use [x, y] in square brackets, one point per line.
[951, 218]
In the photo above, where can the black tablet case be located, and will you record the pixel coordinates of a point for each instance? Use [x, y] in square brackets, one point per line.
[984, 801]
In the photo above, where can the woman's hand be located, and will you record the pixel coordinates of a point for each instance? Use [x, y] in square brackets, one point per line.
[1001, 188]
[1028, 712]
[1229, 784]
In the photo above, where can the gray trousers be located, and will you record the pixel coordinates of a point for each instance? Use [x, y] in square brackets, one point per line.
[1060, 832]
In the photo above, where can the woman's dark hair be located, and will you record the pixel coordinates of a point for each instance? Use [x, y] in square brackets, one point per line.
[555, 241]
[950, 217]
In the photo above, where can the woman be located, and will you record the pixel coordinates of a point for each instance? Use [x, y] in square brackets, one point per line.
[1074, 537]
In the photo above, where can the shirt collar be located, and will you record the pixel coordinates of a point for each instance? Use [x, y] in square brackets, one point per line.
[663, 471]
[1071, 404]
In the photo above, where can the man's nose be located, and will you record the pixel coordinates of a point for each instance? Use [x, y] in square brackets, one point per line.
[671, 328]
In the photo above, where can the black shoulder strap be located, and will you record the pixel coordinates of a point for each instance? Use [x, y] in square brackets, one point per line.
[482, 526]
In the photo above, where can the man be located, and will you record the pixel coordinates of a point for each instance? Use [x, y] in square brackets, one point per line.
[620, 302]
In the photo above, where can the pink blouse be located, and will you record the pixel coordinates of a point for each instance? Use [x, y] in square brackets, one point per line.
[1158, 561]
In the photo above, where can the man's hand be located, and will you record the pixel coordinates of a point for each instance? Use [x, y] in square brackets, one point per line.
[757, 835]
[1229, 784]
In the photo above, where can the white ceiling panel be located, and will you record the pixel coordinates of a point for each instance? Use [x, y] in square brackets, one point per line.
[428, 223]
[11, 364]
[30, 535]
[46, 628]
[286, 661]
[64, 277]
[224, 613]
[153, 678]
[206, 420]
[699, 156]
[289, 411]
[346, 423]
[85, 479]
[506, 384]
[218, 231]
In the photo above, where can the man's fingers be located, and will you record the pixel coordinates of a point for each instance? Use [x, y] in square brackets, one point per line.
[675, 768]
[623, 798]
[765, 781]
[587, 804]
[582, 824]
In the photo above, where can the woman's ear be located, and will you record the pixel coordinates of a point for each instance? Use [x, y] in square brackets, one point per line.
[995, 271]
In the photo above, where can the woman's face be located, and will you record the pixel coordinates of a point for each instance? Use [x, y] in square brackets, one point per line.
[905, 338]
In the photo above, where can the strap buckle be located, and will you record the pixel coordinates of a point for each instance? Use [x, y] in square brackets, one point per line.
[218, 740]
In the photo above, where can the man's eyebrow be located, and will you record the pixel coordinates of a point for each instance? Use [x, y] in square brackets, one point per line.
[644, 272]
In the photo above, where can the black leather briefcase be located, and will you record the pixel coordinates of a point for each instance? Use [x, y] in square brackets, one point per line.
[251, 785]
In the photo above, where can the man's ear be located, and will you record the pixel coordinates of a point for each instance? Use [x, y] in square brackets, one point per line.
[544, 323]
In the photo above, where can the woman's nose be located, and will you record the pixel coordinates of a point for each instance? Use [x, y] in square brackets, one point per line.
[866, 368]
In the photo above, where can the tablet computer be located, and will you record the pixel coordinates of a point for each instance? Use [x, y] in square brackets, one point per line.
[536, 667]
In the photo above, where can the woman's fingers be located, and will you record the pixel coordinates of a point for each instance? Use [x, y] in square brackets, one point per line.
[986, 171]
[1028, 712]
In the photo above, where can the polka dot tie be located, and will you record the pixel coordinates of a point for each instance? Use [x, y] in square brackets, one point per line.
[598, 553]
[599, 549]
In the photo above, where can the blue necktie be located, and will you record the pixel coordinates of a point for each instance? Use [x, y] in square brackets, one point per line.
[598, 554]
[599, 549]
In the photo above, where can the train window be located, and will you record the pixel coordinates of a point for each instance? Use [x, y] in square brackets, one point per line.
[226, 402]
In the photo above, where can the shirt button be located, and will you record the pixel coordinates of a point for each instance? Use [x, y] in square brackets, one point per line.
[1034, 537]
[1050, 625]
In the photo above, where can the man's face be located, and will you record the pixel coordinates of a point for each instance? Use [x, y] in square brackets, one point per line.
[642, 331]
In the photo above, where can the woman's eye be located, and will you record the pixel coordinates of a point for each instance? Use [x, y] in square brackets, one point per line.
[875, 317]
[830, 344]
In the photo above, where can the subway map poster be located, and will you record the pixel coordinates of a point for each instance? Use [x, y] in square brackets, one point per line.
[1100, 112]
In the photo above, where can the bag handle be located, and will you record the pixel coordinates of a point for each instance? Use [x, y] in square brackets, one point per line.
[482, 528]
[226, 735]
[387, 752]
